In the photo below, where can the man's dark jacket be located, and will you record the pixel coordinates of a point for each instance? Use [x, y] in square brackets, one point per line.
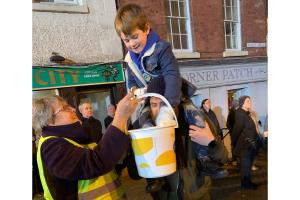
[93, 128]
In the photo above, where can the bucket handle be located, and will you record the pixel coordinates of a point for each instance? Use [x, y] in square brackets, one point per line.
[164, 100]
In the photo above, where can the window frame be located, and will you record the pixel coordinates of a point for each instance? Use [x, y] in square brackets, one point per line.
[231, 21]
[61, 6]
[187, 24]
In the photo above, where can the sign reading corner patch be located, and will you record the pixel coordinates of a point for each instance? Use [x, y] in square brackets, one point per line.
[68, 76]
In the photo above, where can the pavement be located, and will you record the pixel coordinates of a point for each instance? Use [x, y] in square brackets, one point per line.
[227, 188]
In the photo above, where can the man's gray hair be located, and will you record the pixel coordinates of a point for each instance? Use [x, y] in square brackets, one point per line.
[84, 101]
[42, 111]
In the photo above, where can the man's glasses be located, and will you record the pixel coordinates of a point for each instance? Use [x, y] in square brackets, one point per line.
[64, 108]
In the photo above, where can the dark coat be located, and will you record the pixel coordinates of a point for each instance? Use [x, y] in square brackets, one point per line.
[244, 129]
[212, 116]
[107, 121]
[93, 128]
[64, 164]
[230, 119]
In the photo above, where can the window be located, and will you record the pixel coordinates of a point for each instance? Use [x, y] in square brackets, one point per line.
[61, 6]
[232, 24]
[178, 24]
[69, 2]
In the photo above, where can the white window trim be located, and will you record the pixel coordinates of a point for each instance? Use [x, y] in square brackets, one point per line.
[189, 32]
[239, 35]
[186, 54]
[189, 29]
[61, 7]
[231, 53]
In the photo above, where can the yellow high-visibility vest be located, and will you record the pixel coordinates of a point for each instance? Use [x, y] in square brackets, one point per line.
[107, 186]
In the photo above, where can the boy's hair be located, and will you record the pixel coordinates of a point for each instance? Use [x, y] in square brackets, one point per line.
[129, 18]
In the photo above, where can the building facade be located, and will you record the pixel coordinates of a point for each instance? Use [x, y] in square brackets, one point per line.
[221, 47]
[82, 31]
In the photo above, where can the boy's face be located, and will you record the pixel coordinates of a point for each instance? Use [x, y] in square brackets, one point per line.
[137, 41]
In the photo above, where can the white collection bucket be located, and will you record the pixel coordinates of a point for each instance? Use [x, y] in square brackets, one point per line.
[153, 147]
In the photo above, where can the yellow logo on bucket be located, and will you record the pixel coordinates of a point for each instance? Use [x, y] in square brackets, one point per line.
[166, 158]
[144, 165]
[141, 146]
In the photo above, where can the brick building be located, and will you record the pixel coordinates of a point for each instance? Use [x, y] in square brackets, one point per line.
[221, 47]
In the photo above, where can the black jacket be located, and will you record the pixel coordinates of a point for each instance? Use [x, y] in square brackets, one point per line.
[108, 120]
[212, 116]
[230, 120]
[244, 129]
[93, 128]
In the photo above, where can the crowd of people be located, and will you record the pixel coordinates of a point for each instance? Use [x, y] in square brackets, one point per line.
[76, 160]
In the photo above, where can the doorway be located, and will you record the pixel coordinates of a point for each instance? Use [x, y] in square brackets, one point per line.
[235, 94]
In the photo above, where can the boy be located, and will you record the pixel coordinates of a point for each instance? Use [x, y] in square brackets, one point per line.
[148, 56]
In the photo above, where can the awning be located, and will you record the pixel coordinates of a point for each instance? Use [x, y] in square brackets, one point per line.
[46, 77]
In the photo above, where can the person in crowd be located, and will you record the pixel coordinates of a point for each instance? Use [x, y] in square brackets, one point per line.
[111, 109]
[159, 114]
[148, 57]
[245, 136]
[230, 118]
[266, 133]
[156, 113]
[230, 123]
[69, 167]
[91, 125]
[207, 164]
[206, 107]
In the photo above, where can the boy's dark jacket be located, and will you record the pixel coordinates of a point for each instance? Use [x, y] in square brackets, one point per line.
[158, 60]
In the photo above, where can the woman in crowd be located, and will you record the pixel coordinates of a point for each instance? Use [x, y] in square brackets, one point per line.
[245, 136]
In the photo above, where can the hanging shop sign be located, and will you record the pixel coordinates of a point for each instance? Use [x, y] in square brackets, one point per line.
[68, 76]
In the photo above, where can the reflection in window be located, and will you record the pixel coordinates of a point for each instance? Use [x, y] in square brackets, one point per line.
[43, 93]
[232, 24]
[177, 16]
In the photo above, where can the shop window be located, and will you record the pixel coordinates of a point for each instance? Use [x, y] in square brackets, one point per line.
[43, 93]
[178, 24]
[99, 100]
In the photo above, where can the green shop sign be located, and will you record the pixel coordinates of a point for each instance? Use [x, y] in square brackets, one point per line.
[68, 76]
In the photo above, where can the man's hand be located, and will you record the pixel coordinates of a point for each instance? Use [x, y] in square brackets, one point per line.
[201, 136]
[124, 110]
